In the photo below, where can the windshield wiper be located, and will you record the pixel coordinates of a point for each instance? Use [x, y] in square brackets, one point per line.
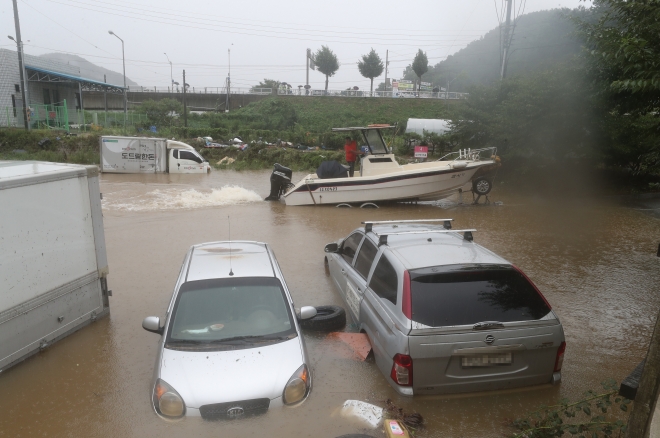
[252, 338]
[235, 338]
[487, 325]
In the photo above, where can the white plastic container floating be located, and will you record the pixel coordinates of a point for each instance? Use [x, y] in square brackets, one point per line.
[368, 413]
[53, 263]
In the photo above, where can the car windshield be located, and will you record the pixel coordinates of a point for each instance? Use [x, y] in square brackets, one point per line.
[464, 295]
[230, 311]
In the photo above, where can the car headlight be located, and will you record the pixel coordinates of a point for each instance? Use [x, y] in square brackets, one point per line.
[297, 387]
[167, 401]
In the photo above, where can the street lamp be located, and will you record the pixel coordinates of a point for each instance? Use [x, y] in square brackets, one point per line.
[228, 79]
[23, 74]
[123, 59]
[171, 76]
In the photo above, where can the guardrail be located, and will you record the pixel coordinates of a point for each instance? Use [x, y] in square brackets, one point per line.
[302, 92]
[200, 90]
[360, 93]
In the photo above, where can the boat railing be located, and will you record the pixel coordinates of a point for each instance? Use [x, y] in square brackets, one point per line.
[468, 154]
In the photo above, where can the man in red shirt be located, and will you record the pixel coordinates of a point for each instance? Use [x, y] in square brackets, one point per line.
[350, 147]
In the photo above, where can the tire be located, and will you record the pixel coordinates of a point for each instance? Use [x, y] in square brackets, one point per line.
[328, 318]
[482, 186]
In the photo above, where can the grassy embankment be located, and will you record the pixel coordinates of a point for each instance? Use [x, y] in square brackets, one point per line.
[300, 120]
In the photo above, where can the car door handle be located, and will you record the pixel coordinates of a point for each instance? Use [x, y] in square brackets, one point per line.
[343, 272]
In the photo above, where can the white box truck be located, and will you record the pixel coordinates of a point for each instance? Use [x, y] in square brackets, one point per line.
[149, 155]
[53, 264]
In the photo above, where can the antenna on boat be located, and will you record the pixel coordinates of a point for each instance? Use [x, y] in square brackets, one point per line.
[396, 129]
[231, 272]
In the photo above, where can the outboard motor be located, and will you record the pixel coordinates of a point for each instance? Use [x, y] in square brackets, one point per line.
[280, 180]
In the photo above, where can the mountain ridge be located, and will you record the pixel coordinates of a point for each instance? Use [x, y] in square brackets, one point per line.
[90, 70]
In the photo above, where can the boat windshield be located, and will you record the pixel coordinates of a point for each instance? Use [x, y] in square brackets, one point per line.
[375, 141]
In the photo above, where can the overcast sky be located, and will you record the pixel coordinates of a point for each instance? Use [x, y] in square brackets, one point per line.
[268, 39]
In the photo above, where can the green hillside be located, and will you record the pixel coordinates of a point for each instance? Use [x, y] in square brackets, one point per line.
[541, 40]
[322, 113]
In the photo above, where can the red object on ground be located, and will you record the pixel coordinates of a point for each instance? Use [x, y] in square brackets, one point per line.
[358, 342]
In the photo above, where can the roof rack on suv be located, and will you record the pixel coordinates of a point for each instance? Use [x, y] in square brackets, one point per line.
[368, 225]
[467, 234]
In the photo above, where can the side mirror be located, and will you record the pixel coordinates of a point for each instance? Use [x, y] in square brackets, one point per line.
[331, 247]
[307, 312]
[152, 324]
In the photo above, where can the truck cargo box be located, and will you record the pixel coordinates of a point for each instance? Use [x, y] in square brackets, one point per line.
[133, 155]
[149, 155]
[53, 263]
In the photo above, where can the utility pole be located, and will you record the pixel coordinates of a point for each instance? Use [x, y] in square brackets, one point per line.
[228, 80]
[105, 103]
[123, 61]
[185, 116]
[506, 41]
[309, 54]
[21, 68]
[171, 75]
[387, 54]
[639, 423]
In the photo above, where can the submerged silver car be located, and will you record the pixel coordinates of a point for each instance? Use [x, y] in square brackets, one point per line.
[231, 344]
[443, 314]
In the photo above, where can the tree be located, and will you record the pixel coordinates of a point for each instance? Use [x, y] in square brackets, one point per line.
[326, 62]
[623, 49]
[625, 45]
[162, 112]
[420, 65]
[521, 116]
[269, 83]
[371, 66]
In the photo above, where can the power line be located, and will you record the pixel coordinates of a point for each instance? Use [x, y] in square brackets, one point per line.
[68, 30]
[178, 23]
[180, 13]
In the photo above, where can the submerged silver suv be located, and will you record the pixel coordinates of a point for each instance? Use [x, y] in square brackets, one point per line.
[443, 314]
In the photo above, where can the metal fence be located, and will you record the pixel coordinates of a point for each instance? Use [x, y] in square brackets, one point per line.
[301, 91]
[39, 116]
[61, 118]
[200, 90]
[390, 94]
[109, 119]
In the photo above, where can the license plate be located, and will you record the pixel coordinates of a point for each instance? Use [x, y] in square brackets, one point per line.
[487, 360]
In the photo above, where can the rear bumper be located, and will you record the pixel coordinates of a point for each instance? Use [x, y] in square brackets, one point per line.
[499, 383]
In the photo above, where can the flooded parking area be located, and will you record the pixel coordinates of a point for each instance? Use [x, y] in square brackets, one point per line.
[594, 260]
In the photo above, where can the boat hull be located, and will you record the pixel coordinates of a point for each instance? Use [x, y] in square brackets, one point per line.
[425, 185]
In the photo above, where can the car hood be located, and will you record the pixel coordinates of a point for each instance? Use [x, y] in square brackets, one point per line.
[207, 377]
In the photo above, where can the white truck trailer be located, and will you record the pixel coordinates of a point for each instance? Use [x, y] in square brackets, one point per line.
[149, 155]
[53, 264]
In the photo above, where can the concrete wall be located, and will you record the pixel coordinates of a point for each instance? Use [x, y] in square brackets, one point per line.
[93, 100]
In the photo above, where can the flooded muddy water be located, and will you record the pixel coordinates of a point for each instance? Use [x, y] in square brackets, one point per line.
[594, 260]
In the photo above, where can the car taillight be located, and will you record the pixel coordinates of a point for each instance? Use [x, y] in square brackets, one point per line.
[533, 285]
[560, 357]
[406, 302]
[402, 370]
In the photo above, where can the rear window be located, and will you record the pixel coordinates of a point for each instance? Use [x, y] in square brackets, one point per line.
[467, 295]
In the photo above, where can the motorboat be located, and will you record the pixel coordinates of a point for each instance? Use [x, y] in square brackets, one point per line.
[382, 179]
